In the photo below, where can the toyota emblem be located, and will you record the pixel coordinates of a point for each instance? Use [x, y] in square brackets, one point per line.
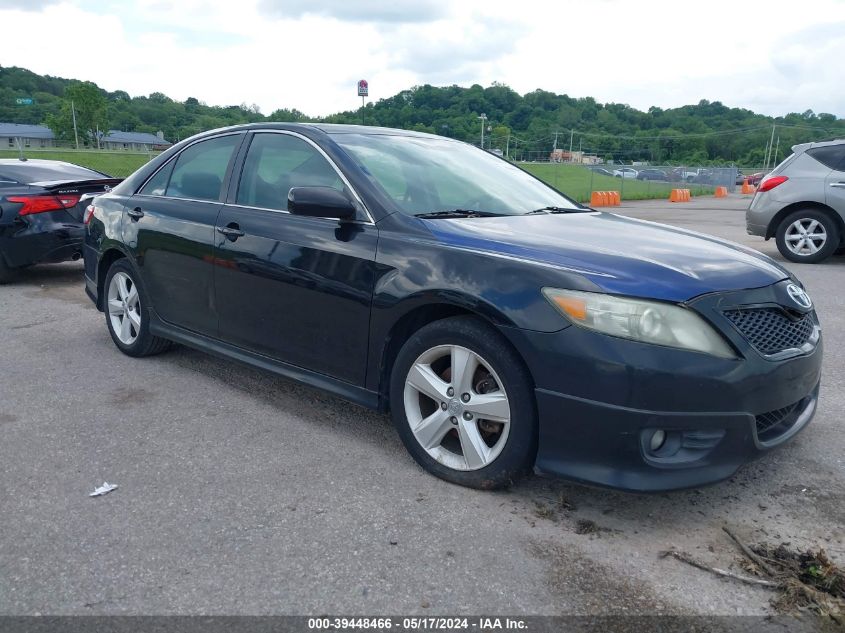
[797, 294]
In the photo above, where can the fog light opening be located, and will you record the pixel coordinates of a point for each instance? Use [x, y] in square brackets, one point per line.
[658, 439]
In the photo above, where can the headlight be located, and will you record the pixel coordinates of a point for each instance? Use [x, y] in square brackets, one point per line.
[639, 320]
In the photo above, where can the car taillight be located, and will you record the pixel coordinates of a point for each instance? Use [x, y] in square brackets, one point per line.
[89, 212]
[43, 204]
[771, 183]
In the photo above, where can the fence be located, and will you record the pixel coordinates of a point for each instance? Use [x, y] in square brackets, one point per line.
[635, 182]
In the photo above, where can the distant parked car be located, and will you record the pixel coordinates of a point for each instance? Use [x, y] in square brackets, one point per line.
[601, 171]
[651, 174]
[42, 203]
[755, 178]
[625, 172]
[683, 174]
[802, 203]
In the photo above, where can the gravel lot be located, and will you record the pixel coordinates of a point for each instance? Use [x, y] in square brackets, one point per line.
[241, 493]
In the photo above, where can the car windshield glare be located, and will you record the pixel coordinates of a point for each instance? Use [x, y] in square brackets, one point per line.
[424, 175]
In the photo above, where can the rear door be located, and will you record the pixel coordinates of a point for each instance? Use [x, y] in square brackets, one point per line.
[294, 288]
[169, 224]
[833, 156]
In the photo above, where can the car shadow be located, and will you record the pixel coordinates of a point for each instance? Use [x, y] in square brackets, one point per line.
[749, 495]
[66, 273]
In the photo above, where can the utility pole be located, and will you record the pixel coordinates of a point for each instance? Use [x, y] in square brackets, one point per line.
[571, 132]
[75, 133]
[555, 147]
[483, 118]
[508, 147]
[771, 145]
[777, 148]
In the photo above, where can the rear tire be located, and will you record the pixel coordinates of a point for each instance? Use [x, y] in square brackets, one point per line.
[447, 377]
[127, 317]
[807, 237]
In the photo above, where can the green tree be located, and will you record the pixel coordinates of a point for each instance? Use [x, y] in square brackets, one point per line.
[90, 106]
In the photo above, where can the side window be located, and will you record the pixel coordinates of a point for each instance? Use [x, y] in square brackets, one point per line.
[277, 162]
[200, 169]
[157, 185]
[831, 156]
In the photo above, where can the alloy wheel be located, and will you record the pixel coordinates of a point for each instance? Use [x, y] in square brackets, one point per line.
[124, 306]
[457, 407]
[805, 236]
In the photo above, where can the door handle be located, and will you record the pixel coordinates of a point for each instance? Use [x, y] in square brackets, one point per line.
[838, 184]
[136, 214]
[232, 231]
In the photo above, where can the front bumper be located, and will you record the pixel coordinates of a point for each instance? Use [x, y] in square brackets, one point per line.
[600, 399]
[601, 444]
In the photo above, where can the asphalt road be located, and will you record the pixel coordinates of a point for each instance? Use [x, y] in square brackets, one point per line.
[241, 493]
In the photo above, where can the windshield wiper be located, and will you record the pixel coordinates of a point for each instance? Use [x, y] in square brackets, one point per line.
[551, 210]
[459, 213]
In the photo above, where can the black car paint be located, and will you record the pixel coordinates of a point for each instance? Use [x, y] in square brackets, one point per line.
[329, 302]
[47, 237]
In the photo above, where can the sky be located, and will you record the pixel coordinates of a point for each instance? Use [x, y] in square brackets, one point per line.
[772, 58]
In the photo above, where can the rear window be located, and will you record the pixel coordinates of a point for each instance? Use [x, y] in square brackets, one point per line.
[29, 173]
[832, 156]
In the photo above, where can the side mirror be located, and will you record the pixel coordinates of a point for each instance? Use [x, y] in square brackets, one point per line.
[320, 202]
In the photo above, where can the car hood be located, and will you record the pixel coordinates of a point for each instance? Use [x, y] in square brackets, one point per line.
[620, 255]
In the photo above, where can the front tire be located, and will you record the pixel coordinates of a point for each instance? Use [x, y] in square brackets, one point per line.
[463, 404]
[127, 317]
[807, 237]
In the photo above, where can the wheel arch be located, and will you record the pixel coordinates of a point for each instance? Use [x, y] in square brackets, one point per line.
[109, 257]
[772, 229]
[418, 317]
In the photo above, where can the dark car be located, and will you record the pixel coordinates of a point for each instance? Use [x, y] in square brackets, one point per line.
[502, 324]
[42, 203]
[652, 174]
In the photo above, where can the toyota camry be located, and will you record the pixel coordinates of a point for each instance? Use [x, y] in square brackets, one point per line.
[504, 326]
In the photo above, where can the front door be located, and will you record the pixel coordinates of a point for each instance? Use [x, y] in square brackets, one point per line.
[294, 288]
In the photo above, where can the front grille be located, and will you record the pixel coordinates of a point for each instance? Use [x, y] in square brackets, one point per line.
[771, 330]
[775, 423]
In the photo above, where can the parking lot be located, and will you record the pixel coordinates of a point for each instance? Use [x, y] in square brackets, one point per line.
[241, 493]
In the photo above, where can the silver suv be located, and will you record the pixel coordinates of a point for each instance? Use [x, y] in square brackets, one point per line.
[802, 203]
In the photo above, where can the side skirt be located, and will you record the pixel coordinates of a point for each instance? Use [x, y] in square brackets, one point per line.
[352, 393]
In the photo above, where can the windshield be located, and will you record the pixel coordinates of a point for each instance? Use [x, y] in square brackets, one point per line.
[424, 175]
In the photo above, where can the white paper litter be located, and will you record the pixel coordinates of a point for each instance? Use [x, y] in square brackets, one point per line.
[103, 490]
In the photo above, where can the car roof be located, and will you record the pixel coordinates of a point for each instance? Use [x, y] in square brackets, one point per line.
[38, 162]
[803, 147]
[40, 171]
[326, 128]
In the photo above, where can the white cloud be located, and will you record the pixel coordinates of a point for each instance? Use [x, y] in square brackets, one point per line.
[309, 55]
[357, 11]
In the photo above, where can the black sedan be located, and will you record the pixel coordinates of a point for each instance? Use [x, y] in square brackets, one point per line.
[503, 325]
[42, 203]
